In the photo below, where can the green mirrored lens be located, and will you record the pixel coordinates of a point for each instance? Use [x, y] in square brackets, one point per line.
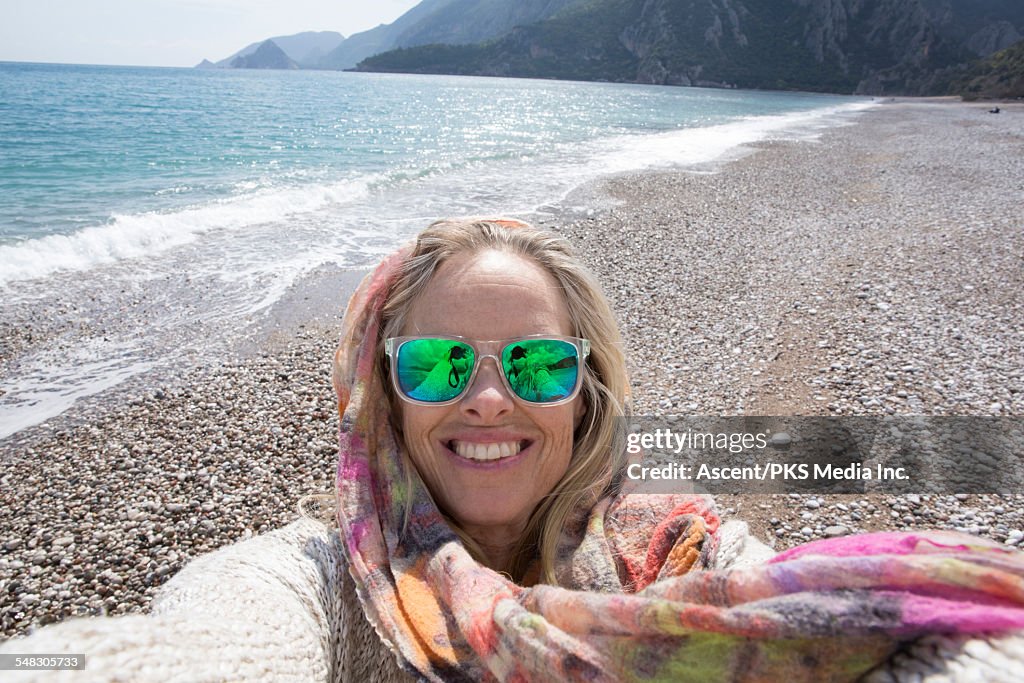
[434, 370]
[541, 370]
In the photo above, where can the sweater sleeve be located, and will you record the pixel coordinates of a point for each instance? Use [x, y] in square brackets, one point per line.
[737, 547]
[262, 609]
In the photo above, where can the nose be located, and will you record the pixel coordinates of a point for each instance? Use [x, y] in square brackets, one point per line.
[487, 399]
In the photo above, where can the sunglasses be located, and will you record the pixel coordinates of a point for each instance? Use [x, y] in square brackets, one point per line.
[438, 370]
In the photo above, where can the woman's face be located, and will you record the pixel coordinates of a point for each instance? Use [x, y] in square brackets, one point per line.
[487, 296]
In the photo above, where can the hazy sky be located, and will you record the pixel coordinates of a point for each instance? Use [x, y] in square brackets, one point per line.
[171, 32]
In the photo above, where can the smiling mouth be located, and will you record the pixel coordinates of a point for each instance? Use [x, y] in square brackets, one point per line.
[487, 451]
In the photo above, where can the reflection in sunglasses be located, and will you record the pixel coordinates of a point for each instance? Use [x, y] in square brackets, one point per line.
[438, 370]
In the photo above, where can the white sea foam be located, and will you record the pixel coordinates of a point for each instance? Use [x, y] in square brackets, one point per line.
[50, 383]
[143, 234]
[128, 236]
[694, 146]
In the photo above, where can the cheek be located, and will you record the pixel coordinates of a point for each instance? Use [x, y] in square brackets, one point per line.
[560, 430]
[561, 449]
[416, 426]
[579, 410]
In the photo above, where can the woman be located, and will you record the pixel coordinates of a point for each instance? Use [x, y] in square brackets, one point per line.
[483, 529]
[471, 281]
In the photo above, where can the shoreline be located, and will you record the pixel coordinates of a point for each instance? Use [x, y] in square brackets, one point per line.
[847, 262]
[303, 307]
[71, 338]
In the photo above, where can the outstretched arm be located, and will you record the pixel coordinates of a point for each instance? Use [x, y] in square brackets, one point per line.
[263, 609]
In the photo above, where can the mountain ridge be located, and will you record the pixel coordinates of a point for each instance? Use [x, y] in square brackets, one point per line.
[445, 21]
[870, 47]
[878, 47]
[306, 49]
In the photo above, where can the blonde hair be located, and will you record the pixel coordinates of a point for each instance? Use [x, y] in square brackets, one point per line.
[597, 460]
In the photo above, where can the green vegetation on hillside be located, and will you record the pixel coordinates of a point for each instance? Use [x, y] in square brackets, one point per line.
[1001, 76]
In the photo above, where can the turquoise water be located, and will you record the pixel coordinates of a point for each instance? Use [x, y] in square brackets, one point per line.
[157, 181]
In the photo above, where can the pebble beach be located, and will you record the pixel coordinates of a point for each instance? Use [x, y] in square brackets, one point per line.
[877, 269]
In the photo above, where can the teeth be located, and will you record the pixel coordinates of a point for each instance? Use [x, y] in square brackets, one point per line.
[485, 451]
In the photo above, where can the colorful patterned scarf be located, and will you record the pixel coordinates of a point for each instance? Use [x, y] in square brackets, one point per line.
[640, 599]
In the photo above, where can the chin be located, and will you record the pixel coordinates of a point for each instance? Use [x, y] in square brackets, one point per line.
[495, 516]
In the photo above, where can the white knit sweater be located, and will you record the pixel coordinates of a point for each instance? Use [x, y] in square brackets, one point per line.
[279, 607]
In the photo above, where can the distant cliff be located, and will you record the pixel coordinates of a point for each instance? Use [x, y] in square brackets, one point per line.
[267, 56]
[862, 46]
[306, 49]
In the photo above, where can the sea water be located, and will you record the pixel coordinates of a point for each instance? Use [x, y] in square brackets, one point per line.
[146, 212]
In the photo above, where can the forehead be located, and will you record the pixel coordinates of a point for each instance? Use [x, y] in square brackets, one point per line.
[489, 295]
